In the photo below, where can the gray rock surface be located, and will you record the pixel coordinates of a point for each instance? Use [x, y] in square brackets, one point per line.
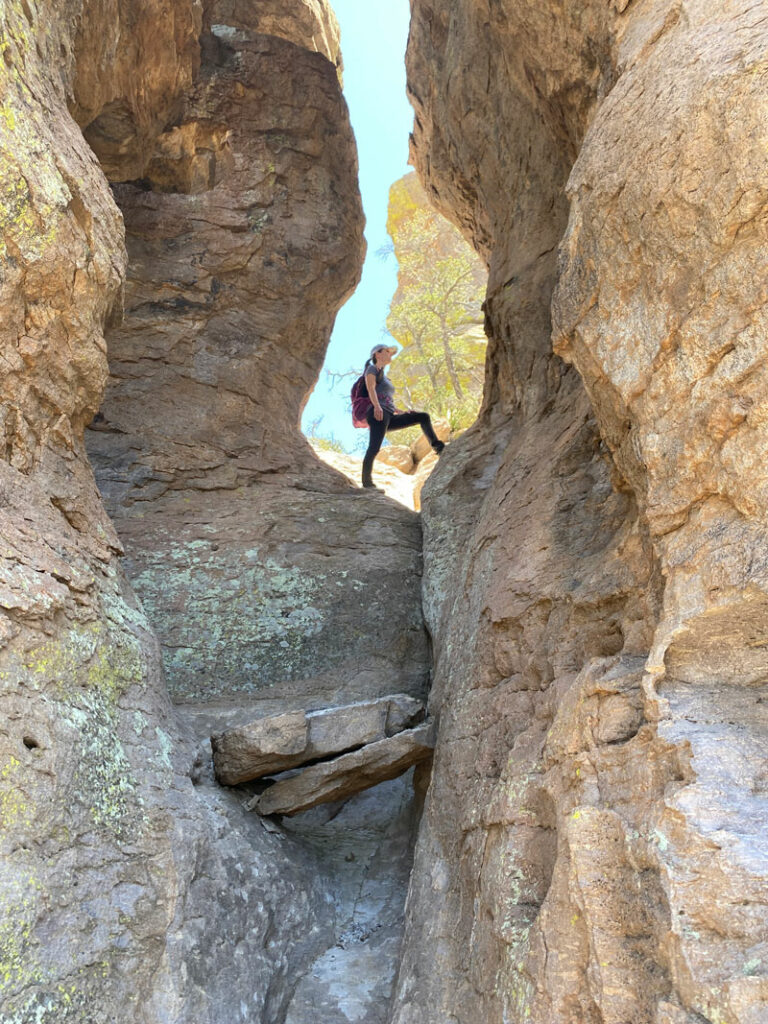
[365, 851]
[129, 893]
[593, 548]
[276, 743]
[343, 776]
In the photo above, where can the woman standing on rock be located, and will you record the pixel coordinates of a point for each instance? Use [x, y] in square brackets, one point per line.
[382, 416]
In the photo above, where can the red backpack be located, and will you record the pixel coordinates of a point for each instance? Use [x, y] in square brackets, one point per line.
[361, 403]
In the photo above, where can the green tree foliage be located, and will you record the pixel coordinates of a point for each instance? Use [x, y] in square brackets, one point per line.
[436, 312]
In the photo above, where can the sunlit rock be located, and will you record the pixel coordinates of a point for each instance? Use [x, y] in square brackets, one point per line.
[594, 546]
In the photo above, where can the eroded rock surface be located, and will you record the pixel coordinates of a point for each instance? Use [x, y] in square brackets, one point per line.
[258, 566]
[364, 849]
[593, 841]
[109, 854]
[128, 892]
[593, 846]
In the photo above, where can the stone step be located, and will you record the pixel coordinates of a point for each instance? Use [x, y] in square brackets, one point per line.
[275, 744]
[348, 774]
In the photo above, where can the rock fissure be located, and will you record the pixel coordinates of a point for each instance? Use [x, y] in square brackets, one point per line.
[592, 843]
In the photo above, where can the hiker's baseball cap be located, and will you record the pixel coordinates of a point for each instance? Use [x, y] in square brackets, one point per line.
[383, 348]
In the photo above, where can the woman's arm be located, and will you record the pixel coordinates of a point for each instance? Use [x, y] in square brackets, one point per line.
[370, 383]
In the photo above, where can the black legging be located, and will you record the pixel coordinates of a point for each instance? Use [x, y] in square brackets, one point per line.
[392, 421]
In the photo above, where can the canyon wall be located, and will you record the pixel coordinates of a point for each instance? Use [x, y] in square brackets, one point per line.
[265, 573]
[132, 887]
[592, 847]
[593, 843]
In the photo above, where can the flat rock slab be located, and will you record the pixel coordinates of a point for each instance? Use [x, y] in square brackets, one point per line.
[279, 742]
[349, 774]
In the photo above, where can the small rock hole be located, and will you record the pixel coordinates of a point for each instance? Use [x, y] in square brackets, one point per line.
[30, 743]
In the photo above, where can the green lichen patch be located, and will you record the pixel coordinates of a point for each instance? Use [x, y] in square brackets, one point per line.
[19, 898]
[14, 809]
[103, 781]
[253, 620]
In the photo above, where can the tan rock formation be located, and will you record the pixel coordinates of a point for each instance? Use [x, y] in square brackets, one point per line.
[398, 455]
[392, 481]
[421, 448]
[593, 844]
[278, 742]
[111, 858]
[132, 65]
[83, 781]
[423, 473]
[310, 24]
[593, 580]
[251, 557]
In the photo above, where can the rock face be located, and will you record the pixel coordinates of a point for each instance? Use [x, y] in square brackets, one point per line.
[116, 47]
[593, 845]
[90, 761]
[128, 892]
[259, 567]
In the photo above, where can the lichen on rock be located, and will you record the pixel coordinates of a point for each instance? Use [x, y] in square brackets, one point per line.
[111, 856]
[597, 518]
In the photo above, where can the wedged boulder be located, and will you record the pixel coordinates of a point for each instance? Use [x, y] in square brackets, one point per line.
[349, 774]
[280, 742]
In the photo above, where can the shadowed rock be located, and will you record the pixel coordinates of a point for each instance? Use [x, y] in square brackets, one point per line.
[348, 774]
[274, 744]
[595, 546]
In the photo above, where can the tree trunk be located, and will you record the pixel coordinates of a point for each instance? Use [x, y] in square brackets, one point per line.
[450, 364]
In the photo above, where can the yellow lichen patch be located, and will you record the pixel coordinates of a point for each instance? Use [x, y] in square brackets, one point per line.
[18, 911]
[13, 804]
[89, 658]
[8, 117]
[103, 783]
[85, 673]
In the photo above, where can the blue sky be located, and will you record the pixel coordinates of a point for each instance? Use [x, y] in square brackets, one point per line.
[374, 34]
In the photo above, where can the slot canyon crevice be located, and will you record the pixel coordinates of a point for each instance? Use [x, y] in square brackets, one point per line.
[582, 602]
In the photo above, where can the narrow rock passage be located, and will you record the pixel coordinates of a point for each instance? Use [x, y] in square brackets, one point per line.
[272, 582]
[357, 855]
[365, 852]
